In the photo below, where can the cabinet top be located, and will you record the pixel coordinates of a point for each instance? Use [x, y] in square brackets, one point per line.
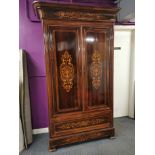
[47, 10]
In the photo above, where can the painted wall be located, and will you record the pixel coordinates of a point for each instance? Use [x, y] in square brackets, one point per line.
[127, 11]
[31, 40]
[121, 72]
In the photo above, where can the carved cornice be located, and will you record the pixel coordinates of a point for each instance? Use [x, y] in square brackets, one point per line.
[47, 10]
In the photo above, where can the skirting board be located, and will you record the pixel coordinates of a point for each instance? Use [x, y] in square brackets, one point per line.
[39, 131]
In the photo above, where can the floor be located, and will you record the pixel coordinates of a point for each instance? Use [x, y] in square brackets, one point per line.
[124, 144]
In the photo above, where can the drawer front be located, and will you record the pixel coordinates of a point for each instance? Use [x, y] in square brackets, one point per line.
[82, 124]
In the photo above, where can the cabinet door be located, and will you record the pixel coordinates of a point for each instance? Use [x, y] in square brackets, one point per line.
[97, 43]
[65, 58]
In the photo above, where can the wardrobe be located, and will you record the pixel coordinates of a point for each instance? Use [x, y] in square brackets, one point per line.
[78, 43]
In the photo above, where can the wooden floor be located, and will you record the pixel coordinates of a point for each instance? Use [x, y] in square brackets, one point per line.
[124, 144]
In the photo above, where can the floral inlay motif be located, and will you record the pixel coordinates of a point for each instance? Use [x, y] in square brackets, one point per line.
[80, 124]
[81, 15]
[96, 69]
[66, 71]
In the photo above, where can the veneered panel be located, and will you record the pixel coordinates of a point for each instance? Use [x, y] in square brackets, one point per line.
[66, 59]
[96, 53]
[66, 43]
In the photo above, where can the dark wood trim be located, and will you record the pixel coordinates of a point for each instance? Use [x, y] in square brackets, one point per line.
[81, 137]
[47, 10]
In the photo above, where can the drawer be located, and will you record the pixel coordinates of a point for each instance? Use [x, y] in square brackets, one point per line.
[81, 125]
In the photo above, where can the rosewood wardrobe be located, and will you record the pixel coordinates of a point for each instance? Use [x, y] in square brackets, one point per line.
[79, 70]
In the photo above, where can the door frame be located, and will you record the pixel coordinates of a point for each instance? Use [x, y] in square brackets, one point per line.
[131, 100]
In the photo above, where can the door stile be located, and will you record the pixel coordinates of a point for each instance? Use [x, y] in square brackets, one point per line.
[79, 68]
[84, 70]
[111, 72]
[49, 64]
[107, 68]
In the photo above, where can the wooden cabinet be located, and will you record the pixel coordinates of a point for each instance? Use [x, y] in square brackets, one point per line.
[79, 69]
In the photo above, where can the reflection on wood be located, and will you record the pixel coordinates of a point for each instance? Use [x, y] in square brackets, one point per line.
[67, 71]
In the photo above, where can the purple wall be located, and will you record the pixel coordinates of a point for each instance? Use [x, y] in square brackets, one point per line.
[31, 40]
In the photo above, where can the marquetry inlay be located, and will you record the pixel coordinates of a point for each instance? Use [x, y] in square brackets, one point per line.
[66, 71]
[96, 69]
[79, 15]
[80, 124]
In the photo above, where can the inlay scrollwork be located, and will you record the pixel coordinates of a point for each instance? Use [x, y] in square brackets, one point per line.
[80, 124]
[79, 15]
[67, 71]
[96, 69]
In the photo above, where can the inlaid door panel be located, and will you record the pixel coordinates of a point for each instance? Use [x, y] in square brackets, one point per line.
[96, 45]
[66, 58]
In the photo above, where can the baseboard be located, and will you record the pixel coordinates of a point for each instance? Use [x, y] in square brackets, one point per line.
[39, 131]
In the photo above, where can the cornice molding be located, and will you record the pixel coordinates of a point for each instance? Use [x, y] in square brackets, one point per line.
[46, 10]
